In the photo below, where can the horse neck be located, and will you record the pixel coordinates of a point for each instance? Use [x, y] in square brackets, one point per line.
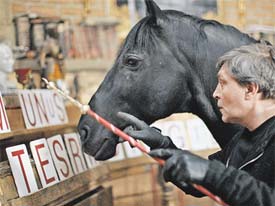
[203, 82]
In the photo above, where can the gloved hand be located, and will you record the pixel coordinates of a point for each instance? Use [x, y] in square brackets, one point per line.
[182, 166]
[189, 189]
[149, 135]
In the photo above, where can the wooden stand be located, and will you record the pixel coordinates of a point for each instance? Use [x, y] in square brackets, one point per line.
[128, 182]
[87, 188]
[135, 182]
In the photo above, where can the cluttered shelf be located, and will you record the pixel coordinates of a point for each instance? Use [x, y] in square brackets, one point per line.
[18, 129]
[63, 192]
[71, 65]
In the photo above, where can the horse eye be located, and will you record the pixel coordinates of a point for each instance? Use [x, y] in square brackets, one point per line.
[131, 61]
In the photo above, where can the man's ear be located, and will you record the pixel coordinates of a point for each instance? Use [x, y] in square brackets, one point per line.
[252, 89]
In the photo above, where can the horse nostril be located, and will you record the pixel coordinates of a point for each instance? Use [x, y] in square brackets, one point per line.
[84, 133]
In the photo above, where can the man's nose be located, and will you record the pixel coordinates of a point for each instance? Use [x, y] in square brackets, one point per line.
[216, 93]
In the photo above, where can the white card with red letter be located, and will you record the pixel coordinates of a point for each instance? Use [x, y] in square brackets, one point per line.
[4, 123]
[60, 157]
[42, 108]
[75, 152]
[44, 163]
[21, 169]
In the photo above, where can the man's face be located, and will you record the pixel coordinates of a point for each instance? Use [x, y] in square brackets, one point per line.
[230, 96]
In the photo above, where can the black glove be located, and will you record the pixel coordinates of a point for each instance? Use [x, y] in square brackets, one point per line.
[182, 166]
[149, 135]
[189, 189]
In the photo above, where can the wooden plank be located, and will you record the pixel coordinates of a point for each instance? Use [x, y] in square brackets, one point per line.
[132, 166]
[135, 180]
[143, 199]
[7, 189]
[130, 185]
[102, 198]
[67, 190]
[131, 162]
[6, 178]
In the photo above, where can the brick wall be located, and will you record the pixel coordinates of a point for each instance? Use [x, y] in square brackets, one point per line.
[242, 13]
[5, 20]
[72, 10]
[69, 9]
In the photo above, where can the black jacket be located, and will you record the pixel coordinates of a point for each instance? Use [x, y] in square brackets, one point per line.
[252, 183]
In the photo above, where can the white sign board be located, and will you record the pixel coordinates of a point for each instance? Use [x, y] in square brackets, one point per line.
[119, 153]
[175, 130]
[200, 136]
[132, 152]
[4, 123]
[22, 170]
[44, 163]
[42, 108]
[60, 157]
[76, 156]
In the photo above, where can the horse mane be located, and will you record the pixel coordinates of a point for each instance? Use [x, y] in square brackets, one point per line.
[144, 33]
[203, 24]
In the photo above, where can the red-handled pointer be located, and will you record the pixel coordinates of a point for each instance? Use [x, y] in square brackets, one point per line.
[85, 109]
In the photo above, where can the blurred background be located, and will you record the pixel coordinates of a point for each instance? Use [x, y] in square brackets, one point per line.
[74, 43]
[88, 33]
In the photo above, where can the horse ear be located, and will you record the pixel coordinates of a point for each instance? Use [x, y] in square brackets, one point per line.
[154, 11]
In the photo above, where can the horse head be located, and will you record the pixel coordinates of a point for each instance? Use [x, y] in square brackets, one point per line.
[166, 65]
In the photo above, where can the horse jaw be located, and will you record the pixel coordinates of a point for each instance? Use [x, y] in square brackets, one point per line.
[96, 140]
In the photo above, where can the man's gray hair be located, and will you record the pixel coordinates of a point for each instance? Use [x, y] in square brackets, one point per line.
[253, 63]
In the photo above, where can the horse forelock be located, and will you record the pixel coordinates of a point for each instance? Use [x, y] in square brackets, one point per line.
[143, 36]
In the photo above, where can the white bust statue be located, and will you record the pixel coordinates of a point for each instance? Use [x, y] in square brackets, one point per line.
[6, 67]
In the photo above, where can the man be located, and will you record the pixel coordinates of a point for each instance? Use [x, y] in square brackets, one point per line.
[243, 173]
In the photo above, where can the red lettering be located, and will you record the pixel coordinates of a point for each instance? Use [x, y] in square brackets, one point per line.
[50, 107]
[76, 153]
[41, 108]
[19, 153]
[27, 113]
[65, 174]
[43, 163]
[61, 114]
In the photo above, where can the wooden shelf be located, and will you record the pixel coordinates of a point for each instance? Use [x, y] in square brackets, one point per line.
[18, 129]
[65, 191]
[86, 188]
[26, 63]
[71, 65]
[35, 132]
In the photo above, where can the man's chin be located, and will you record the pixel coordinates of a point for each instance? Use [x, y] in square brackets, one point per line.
[225, 119]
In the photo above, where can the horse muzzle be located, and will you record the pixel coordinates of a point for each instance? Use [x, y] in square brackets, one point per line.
[95, 139]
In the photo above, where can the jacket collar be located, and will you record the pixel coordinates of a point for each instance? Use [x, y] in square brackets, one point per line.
[265, 133]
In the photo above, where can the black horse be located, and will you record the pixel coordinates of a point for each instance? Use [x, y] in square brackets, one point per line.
[166, 66]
